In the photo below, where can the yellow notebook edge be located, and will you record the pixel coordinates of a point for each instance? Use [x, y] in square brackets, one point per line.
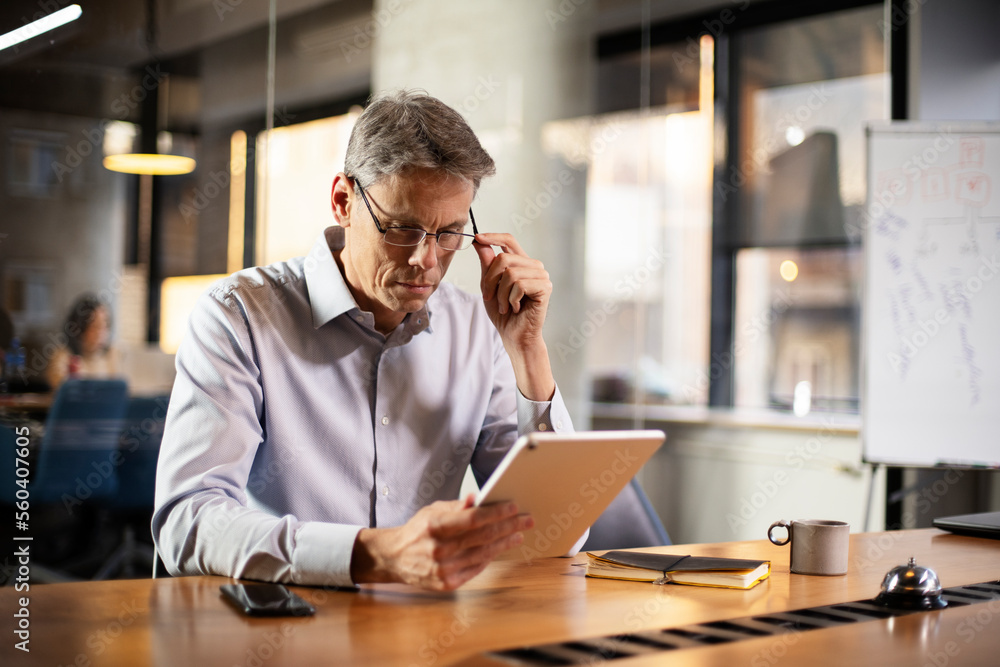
[738, 588]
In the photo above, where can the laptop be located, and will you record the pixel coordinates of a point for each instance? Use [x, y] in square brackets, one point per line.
[985, 524]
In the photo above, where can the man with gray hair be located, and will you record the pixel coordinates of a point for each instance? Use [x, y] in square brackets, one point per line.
[326, 408]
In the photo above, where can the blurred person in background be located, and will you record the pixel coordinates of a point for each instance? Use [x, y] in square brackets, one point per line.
[88, 352]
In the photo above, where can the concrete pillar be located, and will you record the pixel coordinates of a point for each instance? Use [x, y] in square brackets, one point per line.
[509, 66]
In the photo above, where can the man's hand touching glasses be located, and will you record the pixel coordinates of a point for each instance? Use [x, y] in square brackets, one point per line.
[516, 291]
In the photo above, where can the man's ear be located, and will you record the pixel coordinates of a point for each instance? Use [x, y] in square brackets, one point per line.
[341, 198]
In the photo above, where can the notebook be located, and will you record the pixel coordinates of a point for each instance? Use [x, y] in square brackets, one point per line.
[669, 568]
[986, 524]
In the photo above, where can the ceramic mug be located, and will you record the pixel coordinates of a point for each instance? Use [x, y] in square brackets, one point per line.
[818, 547]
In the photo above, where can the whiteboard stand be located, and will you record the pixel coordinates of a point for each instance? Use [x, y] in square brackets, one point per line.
[871, 496]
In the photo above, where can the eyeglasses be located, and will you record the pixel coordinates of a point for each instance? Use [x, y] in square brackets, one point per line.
[411, 236]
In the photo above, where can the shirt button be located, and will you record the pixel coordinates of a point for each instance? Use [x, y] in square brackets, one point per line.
[385, 420]
[542, 427]
[385, 490]
[558, 424]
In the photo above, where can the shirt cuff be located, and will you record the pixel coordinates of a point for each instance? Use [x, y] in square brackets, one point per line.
[543, 415]
[323, 554]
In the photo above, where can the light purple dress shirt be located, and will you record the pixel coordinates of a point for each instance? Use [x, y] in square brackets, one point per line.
[293, 423]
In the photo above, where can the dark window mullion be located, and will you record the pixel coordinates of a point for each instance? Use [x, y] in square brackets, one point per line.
[725, 212]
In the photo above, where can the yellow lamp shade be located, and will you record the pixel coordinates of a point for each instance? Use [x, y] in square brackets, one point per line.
[149, 163]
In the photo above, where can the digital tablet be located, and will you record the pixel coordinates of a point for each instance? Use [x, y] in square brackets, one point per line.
[565, 481]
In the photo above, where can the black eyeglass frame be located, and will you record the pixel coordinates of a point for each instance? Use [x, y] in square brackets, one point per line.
[424, 232]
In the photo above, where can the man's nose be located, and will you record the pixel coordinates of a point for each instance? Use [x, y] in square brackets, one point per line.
[425, 253]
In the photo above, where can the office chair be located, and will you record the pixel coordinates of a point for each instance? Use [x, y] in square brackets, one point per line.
[74, 466]
[132, 505]
[629, 521]
[75, 460]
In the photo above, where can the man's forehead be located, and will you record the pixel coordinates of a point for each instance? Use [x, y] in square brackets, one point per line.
[395, 195]
[422, 177]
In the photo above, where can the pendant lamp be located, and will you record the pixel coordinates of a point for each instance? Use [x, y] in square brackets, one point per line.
[151, 160]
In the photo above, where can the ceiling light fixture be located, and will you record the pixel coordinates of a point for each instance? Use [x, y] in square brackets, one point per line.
[161, 162]
[156, 164]
[42, 25]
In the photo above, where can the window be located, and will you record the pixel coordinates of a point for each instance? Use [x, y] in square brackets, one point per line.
[796, 343]
[796, 83]
[647, 239]
[293, 194]
[806, 88]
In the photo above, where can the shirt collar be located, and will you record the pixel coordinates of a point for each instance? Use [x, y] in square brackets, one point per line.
[329, 295]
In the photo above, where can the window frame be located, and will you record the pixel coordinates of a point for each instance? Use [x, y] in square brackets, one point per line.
[725, 24]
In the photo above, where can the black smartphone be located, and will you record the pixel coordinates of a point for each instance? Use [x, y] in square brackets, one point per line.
[266, 600]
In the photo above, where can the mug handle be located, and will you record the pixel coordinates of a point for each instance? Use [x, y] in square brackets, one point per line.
[783, 523]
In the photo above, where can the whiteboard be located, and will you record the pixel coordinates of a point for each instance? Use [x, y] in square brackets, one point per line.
[930, 392]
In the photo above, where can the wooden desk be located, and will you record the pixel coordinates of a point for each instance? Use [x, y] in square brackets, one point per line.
[184, 621]
[26, 402]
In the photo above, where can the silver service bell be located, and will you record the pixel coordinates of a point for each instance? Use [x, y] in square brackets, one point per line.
[911, 586]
